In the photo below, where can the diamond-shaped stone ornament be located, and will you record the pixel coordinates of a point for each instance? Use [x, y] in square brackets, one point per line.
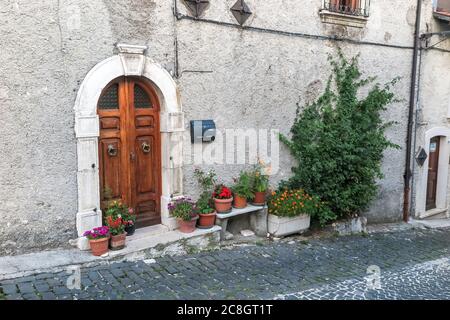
[196, 7]
[241, 11]
[421, 157]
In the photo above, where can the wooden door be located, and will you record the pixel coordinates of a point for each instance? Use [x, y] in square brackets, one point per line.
[433, 163]
[129, 148]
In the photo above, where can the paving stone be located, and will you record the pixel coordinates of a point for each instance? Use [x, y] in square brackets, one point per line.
[9, 289]
[48, 296]
[42, 286]
[25, 287]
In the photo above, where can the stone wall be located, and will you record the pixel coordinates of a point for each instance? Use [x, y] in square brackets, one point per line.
[240, 78]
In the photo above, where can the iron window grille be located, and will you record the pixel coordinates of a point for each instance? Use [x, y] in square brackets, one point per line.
[348, 7]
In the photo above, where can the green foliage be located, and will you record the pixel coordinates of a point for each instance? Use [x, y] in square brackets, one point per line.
[206, 181]
[339, 141]
[243, 186]
[259, 178]
[204, 204]
[292, 203]
[117, 209]
[182, 208]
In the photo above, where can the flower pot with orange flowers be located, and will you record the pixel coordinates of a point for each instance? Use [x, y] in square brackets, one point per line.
[242, 190]
[183, 209]
[290, 212]
[223, 198]
[98, 240]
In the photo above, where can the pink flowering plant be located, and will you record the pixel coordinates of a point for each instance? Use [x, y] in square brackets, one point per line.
[182, 208]
[129, 218]
[97, 233]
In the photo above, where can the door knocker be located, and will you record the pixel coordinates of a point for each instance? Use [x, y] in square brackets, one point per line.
[145, 147]
[112, 151]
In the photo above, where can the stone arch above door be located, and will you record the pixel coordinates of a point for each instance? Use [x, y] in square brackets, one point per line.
[130, 61]
[442, 183]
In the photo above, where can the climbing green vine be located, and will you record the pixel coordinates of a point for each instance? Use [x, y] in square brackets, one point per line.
[339, 141]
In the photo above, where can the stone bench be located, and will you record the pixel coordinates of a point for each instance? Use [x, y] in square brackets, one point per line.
[258, 219]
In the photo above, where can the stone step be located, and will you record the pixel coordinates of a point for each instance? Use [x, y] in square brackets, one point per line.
[146, 243]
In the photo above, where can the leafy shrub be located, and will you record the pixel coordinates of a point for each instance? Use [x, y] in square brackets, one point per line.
[339, 141]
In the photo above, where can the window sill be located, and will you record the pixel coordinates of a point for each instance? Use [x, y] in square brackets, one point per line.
[343, 19]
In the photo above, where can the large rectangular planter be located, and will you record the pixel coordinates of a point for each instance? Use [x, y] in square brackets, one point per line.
[283, 226]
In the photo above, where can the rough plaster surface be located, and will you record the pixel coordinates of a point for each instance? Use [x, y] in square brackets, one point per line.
[252, 80]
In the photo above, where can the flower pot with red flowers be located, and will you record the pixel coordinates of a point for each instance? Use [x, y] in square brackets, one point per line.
[223, 198]
[242, 190]
[118, 234]
[98, 240]
[260, 184]
[183, 209]
[129, 220]
[114, 219]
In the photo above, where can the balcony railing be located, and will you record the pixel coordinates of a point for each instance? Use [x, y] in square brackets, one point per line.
[441, 9]
[348, 7]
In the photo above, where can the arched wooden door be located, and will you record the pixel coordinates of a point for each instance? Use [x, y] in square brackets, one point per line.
[130, 148]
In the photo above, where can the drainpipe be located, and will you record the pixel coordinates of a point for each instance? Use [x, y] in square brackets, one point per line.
[412, 103]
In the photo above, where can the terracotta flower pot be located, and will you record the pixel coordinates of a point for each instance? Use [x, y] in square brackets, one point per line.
[240, 202]
[99, 247]
[206, 220]
[223, 205]
[260, 198]
[118, 242]
[187, 226]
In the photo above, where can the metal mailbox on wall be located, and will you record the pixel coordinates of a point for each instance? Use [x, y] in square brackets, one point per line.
[203, 131]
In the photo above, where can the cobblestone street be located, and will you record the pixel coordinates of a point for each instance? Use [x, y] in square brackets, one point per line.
[413, 264]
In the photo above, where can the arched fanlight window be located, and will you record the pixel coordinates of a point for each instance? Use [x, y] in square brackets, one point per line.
[110, 98]
[141, 98]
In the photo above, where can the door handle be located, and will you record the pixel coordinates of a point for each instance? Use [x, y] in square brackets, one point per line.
[146, 147]
[112, 151]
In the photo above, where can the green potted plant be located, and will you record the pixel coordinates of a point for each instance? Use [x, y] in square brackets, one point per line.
[260, 185]
[242, 190]
[223, 198]
[204, 205]
[206, 212]
[183, 209]
[114, 219]
[98, 240]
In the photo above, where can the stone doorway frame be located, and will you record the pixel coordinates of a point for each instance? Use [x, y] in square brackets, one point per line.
[442, 182]
[130, 61]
